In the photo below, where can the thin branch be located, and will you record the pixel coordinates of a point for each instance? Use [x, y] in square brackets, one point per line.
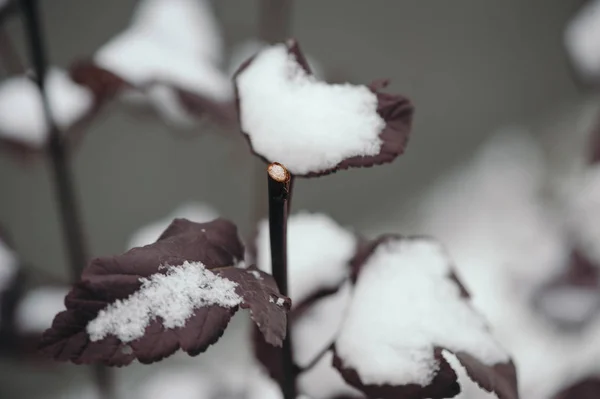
[63, 181]
[8, 53]
[279, 194]
[274, 25]
[67, 200]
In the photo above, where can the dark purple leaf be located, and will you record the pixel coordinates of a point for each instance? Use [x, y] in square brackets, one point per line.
[585, 389]
[106, 85]
[216, 245]
[443, 385]
[498, 378]
[397, 112]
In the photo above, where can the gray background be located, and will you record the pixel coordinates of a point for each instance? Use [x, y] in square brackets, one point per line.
[469, 66]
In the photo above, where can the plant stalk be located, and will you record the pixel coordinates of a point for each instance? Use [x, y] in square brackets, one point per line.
[9, 55]
[279, 186]
[274, 25]
[57, 150]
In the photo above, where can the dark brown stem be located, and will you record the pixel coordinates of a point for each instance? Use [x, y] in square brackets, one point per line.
[279, 180]
[10, 57]
[59, 158]
[274, 25]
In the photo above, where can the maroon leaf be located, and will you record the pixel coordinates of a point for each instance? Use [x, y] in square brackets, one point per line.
[106, 85]
[443, 385]
[423, 261]
[111, 280]
[585, 389]
[396, 111]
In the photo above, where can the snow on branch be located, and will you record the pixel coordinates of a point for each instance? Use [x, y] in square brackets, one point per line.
[312, 127]
[407, 308]
[179, 292]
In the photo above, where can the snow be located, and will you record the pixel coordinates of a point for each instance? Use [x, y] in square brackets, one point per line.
[570, 305]
[385, 336]
[317, 328]
[492, 210]
[170, 44]
[180, 383]
[193, 211]
[584, 213]
[37, 309]
[170, 297]
[21, 109]
[581, 39]
[318, 253]
[306, 125]
[249, 48]
[324, 381]
[8, 265]
[506, 245]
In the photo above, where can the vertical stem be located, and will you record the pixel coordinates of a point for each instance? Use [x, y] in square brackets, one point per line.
[274, 25]
[10, 58]
[59, 158]
[279, 180]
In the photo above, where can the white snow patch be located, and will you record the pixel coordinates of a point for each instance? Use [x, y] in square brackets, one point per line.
[37, 309]
[506, 244]
[318, 253]
[172, 297]
[195, 212]
[307, 125]
[261, 386]
[404, 303]
[324, 381]
[170, 43]
[249, 48]
[581, 39]
[180, 383]
[570, 305]
[584, 213]
[318, 326]
[21, 108]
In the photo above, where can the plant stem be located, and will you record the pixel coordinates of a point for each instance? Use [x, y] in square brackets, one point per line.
[274, 25]
[10, 58]
[59, 157]
[279, 180]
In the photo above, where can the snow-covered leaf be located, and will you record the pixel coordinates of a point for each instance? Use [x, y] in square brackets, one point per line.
[22, 119]
[406, 309]
[179, 292]
[312, 127]
[170, 54]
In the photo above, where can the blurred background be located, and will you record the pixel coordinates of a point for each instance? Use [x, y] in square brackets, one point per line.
[473, 68]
